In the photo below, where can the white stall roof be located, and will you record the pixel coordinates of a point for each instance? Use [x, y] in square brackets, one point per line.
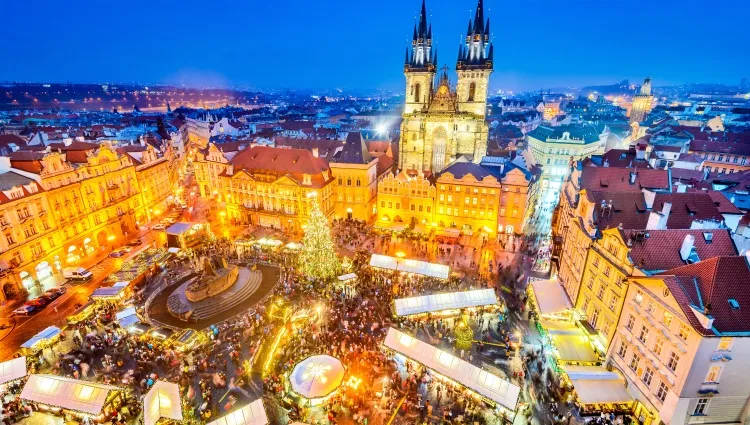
[481, 381]
[107, 292]
[42, 336]
[162, 401]
[250, 414]
[127, 317]
[595, 384]
[179, 228]
[550, 297]
[447, 301]
[347, 276]
[410, 266]
[72, 394]
[12, 369]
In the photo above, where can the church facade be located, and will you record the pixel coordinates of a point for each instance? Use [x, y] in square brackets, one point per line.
[441, 122]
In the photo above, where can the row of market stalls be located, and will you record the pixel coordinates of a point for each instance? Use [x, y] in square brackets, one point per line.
[89, 400]
[446, 303]
[452, 370]
[423, 268]
[578, 352]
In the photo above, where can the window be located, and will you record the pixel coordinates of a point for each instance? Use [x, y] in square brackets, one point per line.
[650, 308]
[412, 207]
[417, 89]
[684, 331]
[585, 305]
[674, 360]
[643, 334]
[600, 292]
[631, 322]
[429, 208]
[591, 282]
[596, 261]
[658, 344]
[714, 373]
[442, 197]
[622, 350]
[647, 375]
[666, 319]
[725, 344]
[661, 394]
[594, 317]
[638, 297]
[472, 90]
[606, 325]
[634, 362]
[613, 302]
[700, 407]
[607, 271]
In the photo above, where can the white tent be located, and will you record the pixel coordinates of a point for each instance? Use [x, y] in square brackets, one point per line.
[410, 266]
[162, 401]
[466, 374]
[447, 301]
[571, 343]
[550, 297]
[127, 317]
[72, 394]
[250, 414]
[595, 384]
[348, 276]
[317, 376]
[12, 369]
[42, 337]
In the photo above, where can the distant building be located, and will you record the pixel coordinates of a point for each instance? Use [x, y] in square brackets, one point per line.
[642, 102]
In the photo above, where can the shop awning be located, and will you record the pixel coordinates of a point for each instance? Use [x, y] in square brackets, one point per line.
[550, 297]
[448, 232]
[162, 401]
[108, 292]
[347, 276]
[447, 301]
[595, 384]
[250, 414]
[410, 266]
[491, 386]
[173, 250]
[121, 284]
[571, 343]
[42, 337]
[127, 317]
[12, 369]
[72, 394]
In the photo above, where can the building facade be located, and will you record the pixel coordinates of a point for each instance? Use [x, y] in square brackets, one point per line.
[642, 103]
[355, 171]
[441, 124]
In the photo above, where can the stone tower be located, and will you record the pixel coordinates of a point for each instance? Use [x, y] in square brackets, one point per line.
[420, 66]
[474, 65]
[642, 102]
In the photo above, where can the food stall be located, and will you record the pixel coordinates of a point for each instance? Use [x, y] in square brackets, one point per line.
[65, 396]
[127, 318]
[449, 303]
[423, 268]
[162, 401]
[82, 313]
[46, 338]
[250, 414]
[451, 370]
[12, 370]
[598, 390]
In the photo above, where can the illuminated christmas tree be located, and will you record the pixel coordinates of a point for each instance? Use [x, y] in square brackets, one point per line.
[464, 335]
[318, 257]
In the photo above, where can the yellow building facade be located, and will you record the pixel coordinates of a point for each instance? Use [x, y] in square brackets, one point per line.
[404, 199]
[153, 174]
[355, 171]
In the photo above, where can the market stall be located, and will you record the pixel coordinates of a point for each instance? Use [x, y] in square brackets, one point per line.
[424, 268]
[250, 414]
[111, 293]
[598, 390]
[445, 302]
[127, 318]
[491, 387]
[548, 299]
[81, 399]
[162, 401]
[316, 378]
[82, 313]
[43, 339]
[184, 235]
[572, 346]
[12, 369]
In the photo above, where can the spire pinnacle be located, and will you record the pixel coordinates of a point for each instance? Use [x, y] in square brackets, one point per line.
[407, 55]
[468, 31]
[479, 18]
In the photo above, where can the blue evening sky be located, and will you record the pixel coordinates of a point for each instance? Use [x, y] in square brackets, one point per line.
[360, 44]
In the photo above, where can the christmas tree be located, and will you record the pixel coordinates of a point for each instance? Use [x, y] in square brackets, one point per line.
[318, 257]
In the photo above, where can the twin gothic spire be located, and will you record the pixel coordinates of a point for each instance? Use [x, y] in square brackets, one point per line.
[475, 53]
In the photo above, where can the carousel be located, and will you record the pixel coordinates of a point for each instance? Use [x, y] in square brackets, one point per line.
[316, 378]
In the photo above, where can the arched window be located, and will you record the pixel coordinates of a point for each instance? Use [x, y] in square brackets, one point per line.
[472, 89]
[358, 182]
[417, 90]
[348, 181]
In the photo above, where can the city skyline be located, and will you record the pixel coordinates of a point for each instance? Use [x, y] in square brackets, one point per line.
[360, 46]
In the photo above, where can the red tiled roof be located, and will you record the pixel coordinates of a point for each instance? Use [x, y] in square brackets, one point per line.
[711, 284]
[385, 163]
[613, 179]
[6, 139]
[722, 203]
[292, 162]
[720, 147]
[659, 250]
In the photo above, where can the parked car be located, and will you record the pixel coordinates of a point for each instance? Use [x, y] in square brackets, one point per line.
[139, 328]
[77, 273]
[117, 253]
[38, 303]
[52, 295]
[135, 242]
[59, 289]
[168, 221]
[161, 333]
[158, 227]
[24, 310]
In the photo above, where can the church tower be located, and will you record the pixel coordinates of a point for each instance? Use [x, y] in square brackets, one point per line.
[474, 65]
[642, 103]
[420, 66]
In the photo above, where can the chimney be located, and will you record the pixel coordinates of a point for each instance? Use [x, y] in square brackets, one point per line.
[666, 209]
[633, 175]
[687, 247]
[315, 152]
[648, 198]
[653, 221]
[640, 154]
[705, 173]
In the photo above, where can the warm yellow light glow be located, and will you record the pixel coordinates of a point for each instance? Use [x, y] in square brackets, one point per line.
[111, 237]
[400, 254]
